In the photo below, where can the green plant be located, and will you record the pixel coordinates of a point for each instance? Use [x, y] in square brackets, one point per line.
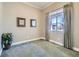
[7, 40]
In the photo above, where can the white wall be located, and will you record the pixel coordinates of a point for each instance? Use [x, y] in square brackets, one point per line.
[0, 25]
[13, 10]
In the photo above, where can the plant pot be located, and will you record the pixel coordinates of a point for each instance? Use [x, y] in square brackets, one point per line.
[7, 46]
[6, 40]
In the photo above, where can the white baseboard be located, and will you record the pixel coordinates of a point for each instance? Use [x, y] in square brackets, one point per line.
[28, 41]
[56, 42]
[76, 49]
[43, 38]
[0, 52]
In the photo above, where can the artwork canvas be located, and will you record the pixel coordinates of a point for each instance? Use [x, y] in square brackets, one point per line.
[21, 22]
[33, 23]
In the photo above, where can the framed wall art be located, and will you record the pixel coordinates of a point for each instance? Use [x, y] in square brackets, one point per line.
[21, 22]
[33, 23]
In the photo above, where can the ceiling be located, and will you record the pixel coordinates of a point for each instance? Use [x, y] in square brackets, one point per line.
[39, 5]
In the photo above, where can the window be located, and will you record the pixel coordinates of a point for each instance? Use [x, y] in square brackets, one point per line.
[56, 21]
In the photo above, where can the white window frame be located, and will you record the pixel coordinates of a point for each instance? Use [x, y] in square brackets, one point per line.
[50, 16]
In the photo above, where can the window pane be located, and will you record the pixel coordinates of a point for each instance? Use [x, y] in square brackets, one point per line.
[60, 22]
[56, 22]
[53, 20]
[53, 25]
[59, 27]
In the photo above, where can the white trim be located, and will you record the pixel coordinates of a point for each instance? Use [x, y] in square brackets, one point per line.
[43, 38]
[34, 6]
[0, 52]
[56, 42]
[76, 49]
[16, 43]
[31, 5]
[48, 5]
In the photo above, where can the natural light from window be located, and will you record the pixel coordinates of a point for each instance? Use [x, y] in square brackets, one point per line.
[56, 20]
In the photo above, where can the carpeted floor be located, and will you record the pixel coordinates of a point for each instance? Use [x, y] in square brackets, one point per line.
[39, 48]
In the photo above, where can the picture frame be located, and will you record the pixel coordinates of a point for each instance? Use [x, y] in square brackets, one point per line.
[33, 23]
[21, 22]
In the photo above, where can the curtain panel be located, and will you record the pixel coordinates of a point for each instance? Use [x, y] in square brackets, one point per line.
[68, 14]
[47, 26]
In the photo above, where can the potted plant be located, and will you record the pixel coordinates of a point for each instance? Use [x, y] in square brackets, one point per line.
[6, 40]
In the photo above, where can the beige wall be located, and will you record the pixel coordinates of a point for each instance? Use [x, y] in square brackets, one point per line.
[13, 10]
[76, 25]
[0, 23]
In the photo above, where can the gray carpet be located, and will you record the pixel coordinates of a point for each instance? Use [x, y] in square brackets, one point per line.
[39, 48]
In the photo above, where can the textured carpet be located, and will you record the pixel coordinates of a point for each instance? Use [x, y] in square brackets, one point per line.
[39, 48]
